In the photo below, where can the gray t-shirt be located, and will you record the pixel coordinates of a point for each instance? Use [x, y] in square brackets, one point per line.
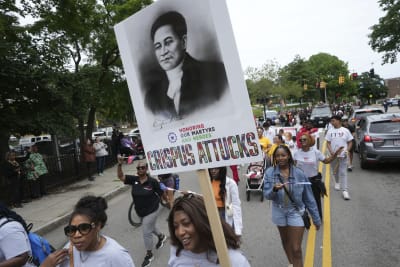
[205, 259]
[13, 241]
[111, 254]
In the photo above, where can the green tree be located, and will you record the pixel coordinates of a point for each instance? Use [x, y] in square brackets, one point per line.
[371, 88]
[25, 82]
[328, 68]
[298, 74]
[385, 36]
[86, 47]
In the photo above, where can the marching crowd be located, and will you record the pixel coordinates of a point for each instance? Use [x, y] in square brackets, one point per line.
[291, 181]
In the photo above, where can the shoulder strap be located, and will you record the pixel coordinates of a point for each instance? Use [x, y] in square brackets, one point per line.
[6, 221]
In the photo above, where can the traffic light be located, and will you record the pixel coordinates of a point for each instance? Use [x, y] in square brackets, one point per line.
[305, 86]
[322, 85]
[341, 79]
[372, 73]
[353, 76]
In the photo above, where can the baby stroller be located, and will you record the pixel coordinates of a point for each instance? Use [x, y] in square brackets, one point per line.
[255, 178]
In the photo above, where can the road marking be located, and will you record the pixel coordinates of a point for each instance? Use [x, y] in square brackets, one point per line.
[326, 239]
[312, 233]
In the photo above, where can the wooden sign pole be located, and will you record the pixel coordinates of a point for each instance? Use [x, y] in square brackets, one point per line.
[213, 217]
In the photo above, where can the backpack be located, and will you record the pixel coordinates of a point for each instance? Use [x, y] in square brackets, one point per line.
[40, 247]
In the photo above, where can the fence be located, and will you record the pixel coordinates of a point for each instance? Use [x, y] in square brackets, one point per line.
[63, 170]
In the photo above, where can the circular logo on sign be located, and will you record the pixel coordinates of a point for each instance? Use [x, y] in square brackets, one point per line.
[172, 137]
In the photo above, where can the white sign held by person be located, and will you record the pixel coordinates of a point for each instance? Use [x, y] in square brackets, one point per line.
[187, 86]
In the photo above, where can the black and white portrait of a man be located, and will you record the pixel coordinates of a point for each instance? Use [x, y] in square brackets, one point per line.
[182, 85]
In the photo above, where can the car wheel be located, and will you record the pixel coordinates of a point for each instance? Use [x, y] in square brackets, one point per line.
[363, 161]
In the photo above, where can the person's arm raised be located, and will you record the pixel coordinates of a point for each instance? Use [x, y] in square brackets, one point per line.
[120, 174]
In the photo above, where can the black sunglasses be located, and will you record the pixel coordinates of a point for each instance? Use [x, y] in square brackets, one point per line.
[83, 228]
[140, 168]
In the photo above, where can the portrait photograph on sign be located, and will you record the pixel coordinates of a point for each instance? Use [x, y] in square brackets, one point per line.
[186, 85]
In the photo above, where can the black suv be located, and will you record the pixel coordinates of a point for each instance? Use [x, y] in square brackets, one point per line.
[321, 115]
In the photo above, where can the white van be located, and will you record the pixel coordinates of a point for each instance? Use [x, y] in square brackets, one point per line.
[29, 140]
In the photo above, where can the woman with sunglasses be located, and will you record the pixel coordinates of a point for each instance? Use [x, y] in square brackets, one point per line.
[283, 184]
[87, 246]
[307, 158]
[226, 196]
[146, 193]
[192, 243]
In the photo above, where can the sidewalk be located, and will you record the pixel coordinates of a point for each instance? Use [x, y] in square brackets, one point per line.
[55, 208]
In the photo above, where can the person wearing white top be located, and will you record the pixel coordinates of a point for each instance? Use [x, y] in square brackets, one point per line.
[87, 246]
[307, 158]
[192, 243]
[101, 153]
[337, 137]
[231, 210]
[15, 248]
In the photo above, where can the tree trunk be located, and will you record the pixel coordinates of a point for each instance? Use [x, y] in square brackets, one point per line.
[90, 122]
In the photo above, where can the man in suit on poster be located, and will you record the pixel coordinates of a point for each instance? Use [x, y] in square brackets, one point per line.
[183, 85]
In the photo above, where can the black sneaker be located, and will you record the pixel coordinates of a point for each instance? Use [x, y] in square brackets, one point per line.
[147, 260]
[161, 240]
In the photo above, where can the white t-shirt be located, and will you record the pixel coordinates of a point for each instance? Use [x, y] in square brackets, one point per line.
[270, 133]
[190, 259]
[308, 161]
[111, 254]
[14, 241]
[339, 137]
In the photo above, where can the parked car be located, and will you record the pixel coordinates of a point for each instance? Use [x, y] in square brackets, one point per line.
[27, 141]
[271, 115]
[363, 112]
[134, 132]
[393, 101]
[321, 115]
[47, 147]
[101, 134]
[378, 139]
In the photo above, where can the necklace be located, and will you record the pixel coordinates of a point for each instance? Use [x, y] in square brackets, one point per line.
[84, 255]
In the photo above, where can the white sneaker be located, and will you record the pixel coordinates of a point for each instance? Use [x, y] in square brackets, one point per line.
[337, 186]
[346, 195]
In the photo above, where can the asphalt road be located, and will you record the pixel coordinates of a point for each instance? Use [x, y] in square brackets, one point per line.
[364, 231]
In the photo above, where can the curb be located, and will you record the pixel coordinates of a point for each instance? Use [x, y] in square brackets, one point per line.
[64, 219]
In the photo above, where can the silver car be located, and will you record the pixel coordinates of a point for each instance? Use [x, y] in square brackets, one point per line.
[362, 112]
[378, 139]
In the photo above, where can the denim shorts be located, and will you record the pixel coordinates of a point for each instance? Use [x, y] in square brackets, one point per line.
[286, 216]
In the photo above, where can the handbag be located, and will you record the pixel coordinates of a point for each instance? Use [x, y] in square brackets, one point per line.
[304, 216]
[306, 220]
[229, 210]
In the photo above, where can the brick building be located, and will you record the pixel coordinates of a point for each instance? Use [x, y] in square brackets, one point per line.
[394, 86]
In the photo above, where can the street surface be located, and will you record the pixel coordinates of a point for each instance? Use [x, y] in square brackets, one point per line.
[364, 231]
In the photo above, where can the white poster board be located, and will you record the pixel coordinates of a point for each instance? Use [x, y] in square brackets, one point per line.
[209, 123]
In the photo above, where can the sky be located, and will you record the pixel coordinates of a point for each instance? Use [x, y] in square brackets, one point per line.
[268, 30]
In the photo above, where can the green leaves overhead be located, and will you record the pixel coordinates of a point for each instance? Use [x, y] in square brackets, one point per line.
[385, 36]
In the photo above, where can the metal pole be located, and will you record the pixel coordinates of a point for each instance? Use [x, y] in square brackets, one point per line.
[326, 102]
[265, 116]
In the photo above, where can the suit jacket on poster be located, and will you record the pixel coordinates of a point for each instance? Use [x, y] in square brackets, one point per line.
[203, 83]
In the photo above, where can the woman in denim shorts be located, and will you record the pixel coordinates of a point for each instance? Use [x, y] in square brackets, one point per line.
[285, 214]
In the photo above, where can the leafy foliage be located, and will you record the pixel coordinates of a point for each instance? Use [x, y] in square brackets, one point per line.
[385, 36]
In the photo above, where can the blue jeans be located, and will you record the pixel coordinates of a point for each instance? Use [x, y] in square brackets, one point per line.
[100, 164]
